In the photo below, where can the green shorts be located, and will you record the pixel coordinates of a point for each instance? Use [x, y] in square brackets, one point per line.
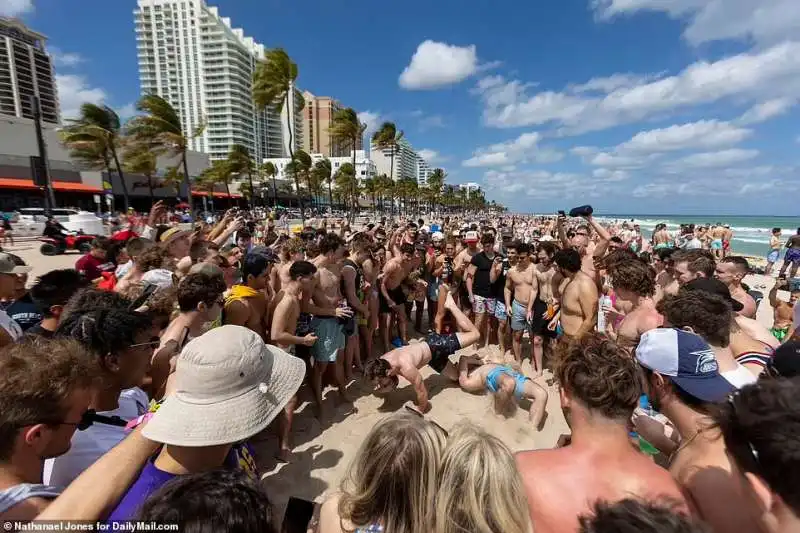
[330, 338]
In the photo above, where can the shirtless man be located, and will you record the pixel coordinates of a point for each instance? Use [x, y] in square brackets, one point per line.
[700, 465]
[392, 298]
[462, 261]
[692, 264]
[545, 305]
[599, 390]
[666, 282]
[283, 334]
[634, 282]
[506, 384]
[580, 296]
[581, 242]
[434, 351]
[782, 311]
[716, 235]
[371, 267]
[323, 301]
[248, 304]
[792, 256]
[774, 251]
[661, 238]
[730, 271]
[291, 251]
[521, 290]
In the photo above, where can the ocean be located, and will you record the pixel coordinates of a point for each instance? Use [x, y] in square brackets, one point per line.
[750, 233]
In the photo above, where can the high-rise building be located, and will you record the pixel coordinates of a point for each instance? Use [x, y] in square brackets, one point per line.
[195, 59]
[423, 171]
[405, 160]
[26, 70]
[317, 116]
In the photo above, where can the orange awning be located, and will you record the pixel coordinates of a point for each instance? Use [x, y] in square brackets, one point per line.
[63, 186]
[216, 194]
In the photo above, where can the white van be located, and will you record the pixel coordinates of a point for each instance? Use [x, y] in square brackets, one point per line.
[30, 222]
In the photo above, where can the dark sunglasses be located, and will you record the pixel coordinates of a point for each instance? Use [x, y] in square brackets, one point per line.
[419, 414]
[88, 418]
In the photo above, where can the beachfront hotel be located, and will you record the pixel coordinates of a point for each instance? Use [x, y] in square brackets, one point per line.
[26, 70]
[405, 160]
[194, 58]
[317, 115]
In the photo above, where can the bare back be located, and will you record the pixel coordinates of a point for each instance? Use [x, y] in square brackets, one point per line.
[579, 303]
[564, 483]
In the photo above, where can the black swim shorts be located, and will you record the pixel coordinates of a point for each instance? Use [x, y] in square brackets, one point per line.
[442, 347]
[539, 323]
[395, 294]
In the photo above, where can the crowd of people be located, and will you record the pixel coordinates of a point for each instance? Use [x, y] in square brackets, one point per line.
[132, 385]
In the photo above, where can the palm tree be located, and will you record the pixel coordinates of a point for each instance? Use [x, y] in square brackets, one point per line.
[160, 127]
[347, 129]
[386, 186]
[371, 189]
[241, 162]
[292, 171]
[435, 184]
[304, 165]
[323, 173]
[173, 179]
[220, 171]
[268, 170]
[346, 182]
[387, 136]
[139, 159]
[98, 125]
[273, 84]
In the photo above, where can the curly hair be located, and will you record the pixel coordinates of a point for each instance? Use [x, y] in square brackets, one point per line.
[105, 331]
[152, 258]
[617, 257]
[329, 243]
[199, 287]
[37, 376]
[599, 374]
[291, 247]
[634, 276]
[90, 299]
[634, 516]
[568, 259]
[709, 315]
[761, 427]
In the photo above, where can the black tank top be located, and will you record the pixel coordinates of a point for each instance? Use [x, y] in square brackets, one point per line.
[357, 281]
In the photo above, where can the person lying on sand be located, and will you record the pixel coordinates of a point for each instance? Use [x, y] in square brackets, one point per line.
[507, 386]
[434, 351]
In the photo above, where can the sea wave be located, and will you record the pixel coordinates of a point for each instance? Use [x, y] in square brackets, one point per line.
[650, 224]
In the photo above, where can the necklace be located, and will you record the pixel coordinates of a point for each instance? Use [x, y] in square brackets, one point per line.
[684, 444]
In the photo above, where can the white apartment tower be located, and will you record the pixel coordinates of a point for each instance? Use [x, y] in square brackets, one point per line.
[193, 58]
[405, 160]
[25, 71]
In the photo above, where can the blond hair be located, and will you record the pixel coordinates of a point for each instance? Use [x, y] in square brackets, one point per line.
[392, 480]
[479, 488]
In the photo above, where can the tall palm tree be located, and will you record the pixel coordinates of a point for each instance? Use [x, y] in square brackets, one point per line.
[292, 171]
[435, 185]
[273, 86]
[304, 165]
[268, 170]
[371, 189]
[346, 182]
[241, 163]
[139, 159]
[220, 171]
[160, 127]
[345, 128]
[387, 137]
[323, 172]
[172, 179]
[98, 125]
[386, 186]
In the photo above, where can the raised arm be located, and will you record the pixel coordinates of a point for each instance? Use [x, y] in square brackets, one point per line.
[605, 237]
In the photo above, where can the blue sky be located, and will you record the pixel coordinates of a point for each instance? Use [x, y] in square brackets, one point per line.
[628, 105]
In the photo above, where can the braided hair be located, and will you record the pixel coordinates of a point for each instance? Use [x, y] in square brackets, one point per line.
[104, 330]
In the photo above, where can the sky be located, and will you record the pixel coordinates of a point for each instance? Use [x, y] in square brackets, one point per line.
[633, 106]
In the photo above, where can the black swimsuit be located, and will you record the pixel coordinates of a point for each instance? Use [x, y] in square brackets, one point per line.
[442, 347]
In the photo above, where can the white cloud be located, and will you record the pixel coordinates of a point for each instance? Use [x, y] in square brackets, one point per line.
[749, 77]
[371, 119]
[65, 59]
[610, 83]
[15, 8]
[763, 21]
[766, 110]
[127, 111]
[437, 64]
[721, 158]
[705, 134]
[524, 148]
[539, 184]
[431, 156]
[73, 91]
[610, 175]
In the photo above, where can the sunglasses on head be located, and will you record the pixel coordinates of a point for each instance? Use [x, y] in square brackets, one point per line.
[419, 414]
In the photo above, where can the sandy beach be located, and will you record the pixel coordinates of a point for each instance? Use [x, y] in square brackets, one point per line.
[323, 450]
